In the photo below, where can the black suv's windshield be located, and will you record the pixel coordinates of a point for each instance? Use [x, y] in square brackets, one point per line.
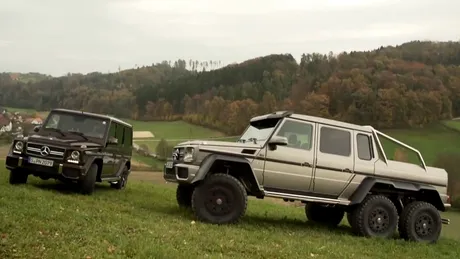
[259, 131]
[67, 124]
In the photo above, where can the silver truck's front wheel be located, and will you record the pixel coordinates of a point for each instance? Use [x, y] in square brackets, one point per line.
[220, 199]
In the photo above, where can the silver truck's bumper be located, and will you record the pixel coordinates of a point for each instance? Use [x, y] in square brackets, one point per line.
[180, 172]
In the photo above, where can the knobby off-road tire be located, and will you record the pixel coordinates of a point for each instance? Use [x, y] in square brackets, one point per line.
[88, 184]
[121, 184]
[18, 177]
[330, 216]
[376, 216]
[420, 222]
[220, 199]
[184, 195]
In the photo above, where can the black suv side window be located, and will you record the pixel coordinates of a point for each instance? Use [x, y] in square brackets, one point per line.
[112, 130]
[120, 134]
[128, 140]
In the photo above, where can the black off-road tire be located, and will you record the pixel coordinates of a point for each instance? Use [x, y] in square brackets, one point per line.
[88, 184]
[121, 184]
[330, 216]
[18, 177]
[366, 217]
[184, 194]
[412, 220]
[220, 199]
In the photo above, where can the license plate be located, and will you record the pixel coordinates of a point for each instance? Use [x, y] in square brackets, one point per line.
[169, 165]
[40, 161]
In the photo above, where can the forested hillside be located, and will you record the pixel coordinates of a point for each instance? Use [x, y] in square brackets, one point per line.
[391, 87]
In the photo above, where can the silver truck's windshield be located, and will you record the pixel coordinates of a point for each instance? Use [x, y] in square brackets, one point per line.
[259, 131]
[67, 124]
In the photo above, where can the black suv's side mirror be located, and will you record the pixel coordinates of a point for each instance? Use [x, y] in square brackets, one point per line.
[112, 141]
[36, 128]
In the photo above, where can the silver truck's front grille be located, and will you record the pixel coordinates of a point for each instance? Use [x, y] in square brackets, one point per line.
[37, 150]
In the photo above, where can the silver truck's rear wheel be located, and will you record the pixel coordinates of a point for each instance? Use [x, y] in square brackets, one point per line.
[420, 221]
[331, 216]
[220, 199]
[376, 216]
[184, 195]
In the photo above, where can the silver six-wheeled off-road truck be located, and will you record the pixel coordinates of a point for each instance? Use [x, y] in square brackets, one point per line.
[331, 166]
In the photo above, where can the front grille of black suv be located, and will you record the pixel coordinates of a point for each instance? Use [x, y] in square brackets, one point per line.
[35, 150]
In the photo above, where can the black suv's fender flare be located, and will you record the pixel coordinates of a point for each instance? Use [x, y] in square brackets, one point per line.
[245, 175]
[430, 193]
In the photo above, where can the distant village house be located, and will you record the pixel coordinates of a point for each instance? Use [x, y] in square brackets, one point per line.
[5, 124]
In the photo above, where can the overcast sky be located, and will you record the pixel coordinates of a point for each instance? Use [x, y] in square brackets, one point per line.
[60, 36]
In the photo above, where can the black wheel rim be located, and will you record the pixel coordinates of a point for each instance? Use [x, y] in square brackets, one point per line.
[424, 225]
[219, 201]
[379, 220]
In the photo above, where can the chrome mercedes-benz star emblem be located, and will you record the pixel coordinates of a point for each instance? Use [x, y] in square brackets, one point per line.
[44, 151]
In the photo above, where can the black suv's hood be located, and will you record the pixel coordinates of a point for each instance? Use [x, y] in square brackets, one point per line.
[72, 142]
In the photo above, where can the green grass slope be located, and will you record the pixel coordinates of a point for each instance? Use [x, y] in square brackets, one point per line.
[42, 220]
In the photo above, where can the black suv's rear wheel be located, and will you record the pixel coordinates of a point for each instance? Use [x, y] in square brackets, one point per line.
[420, 221]
[121, 184]
[184, 195]
[220, 199]
[88, 184]
[18, 177]
[331, 216]
[376, 216]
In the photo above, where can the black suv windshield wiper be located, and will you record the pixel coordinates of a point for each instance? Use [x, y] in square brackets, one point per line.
[78, 133]
[56, 130]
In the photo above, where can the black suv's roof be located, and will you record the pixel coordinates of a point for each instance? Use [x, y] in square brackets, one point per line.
[93, 115]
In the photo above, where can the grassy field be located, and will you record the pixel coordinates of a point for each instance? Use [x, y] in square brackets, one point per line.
[43, 220]
[174, 132]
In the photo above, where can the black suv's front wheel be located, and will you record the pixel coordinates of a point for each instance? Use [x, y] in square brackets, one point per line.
[220, 199]
[88, 184]
[18, 177]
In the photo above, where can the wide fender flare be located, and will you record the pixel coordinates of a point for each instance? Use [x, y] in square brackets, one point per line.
[209, 161]
[366, 185]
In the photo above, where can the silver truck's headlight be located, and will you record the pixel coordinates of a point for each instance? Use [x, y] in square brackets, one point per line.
[189, 154]
[19, 146]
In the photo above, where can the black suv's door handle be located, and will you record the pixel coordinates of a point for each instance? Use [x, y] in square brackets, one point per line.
[305, 164]
[346, 170]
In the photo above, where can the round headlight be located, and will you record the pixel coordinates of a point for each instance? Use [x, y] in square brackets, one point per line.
[75, 155]
[19, 146]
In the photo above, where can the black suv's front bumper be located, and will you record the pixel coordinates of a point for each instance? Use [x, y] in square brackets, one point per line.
[59, 169]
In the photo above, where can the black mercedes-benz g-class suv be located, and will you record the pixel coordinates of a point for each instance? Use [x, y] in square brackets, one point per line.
[74, 146]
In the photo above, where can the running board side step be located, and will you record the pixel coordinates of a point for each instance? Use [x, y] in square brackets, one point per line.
[445, 221]
[305, 198]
